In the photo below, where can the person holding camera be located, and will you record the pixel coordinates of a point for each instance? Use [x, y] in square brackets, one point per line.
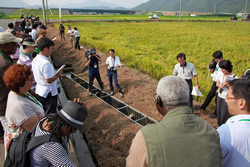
[113, 62]
[93, 68]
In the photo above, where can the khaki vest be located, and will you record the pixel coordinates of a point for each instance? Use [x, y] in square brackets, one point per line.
[182, 139]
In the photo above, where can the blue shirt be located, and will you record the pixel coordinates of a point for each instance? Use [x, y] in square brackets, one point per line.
[94, 66]
[235, 141]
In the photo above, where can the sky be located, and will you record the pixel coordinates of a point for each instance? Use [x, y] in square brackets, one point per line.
[124, 3]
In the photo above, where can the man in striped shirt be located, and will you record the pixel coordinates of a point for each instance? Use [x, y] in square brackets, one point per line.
[25, 56]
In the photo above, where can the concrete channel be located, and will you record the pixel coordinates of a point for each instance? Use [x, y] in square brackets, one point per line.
[123, 108]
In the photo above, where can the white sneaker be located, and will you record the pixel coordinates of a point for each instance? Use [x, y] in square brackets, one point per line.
[121, 94]
[90, 93]
[112, 93]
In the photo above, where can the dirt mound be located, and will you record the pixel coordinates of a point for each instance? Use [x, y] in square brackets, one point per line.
[109, 133]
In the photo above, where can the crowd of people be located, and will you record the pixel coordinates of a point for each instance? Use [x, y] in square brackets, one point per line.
[28, 99]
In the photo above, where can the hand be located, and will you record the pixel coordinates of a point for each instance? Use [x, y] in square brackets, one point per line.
[78, 100]
[60, 72]
[198, 86]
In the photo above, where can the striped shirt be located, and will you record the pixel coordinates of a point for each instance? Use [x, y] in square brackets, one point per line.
[50, 153]
[26, 59]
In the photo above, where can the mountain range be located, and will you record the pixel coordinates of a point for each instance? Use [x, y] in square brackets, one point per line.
[221, 6]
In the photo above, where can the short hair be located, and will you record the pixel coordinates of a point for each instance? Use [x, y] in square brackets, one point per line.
[16, 76]
[34, 25]
[44, 43]
[41, 31]
[75, 28]
[43, 27]
[180, 55]
[10, 25]
[111, 50]
[218, 54]
[241, 89]
[173, 91]
[226, 64]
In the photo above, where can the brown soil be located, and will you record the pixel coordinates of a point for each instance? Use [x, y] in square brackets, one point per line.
[109, 133]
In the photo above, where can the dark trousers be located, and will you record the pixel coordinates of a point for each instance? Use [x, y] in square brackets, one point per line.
[49, 103]
[91, 80]
[210, 96]
[190, 86]
[113, 75]
[222, 111]
[77, 45]
[62, 36]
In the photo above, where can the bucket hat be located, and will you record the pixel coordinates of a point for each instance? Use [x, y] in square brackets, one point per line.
[74, 114]
[7, 37]
[29, 42]
[246, 75]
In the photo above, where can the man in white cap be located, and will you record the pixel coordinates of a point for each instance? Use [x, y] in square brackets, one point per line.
[8, 46]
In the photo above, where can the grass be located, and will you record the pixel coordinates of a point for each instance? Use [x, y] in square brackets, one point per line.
[151, 47]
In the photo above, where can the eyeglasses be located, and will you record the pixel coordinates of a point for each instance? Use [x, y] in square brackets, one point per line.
[227, 97]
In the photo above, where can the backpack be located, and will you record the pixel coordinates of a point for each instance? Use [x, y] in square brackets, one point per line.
[19, 147]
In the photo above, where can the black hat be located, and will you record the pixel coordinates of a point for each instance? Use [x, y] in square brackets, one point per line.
[74, 114]
[212, 64]
[246, 75]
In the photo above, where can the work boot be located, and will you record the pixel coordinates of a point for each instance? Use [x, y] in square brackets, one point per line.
[90, 93]
[112, 93]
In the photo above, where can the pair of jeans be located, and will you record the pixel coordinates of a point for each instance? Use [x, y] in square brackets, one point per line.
[91, 80]
[113, 75]
[190, 86]
[77, 45]
[49, 103]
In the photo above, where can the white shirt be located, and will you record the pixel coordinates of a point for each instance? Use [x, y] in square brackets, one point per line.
[185, 72]
[43, 69]
[235, 141]
[216, 72]
[113, 62]
[221, 78]
[33, 34]
[76, 33]
[71, 32]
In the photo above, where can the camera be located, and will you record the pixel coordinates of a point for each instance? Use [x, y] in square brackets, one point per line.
[87, 53]
[111, 68]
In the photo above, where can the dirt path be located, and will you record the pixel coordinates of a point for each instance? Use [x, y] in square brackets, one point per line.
[109, 133]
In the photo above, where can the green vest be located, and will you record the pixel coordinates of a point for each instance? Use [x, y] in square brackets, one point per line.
[182, 139]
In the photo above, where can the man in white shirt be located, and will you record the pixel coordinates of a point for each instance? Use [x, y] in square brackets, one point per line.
[186, 71]
[113, 63]
[34, 31]
[72, 36]
[235, 133]
[45, 77]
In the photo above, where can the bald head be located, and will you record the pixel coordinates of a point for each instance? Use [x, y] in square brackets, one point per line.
[173, 91]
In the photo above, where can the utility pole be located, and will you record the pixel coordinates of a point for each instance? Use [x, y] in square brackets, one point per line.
[214, 8]
[180, 12]
[246, 11]
[44, 14]
[47, 10]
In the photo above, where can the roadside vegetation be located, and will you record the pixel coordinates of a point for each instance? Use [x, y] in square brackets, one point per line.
[151, 47]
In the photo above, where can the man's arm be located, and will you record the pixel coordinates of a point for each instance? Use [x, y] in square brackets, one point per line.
[98, 58]
[138, 155]
[50, 80]
[88, 61]
[196, 81]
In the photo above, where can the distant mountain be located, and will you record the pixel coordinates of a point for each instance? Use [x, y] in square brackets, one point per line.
[90, 3]
[222, 6]
[13, 3]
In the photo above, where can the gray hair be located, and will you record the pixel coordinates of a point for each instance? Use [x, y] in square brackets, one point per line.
[173, 91]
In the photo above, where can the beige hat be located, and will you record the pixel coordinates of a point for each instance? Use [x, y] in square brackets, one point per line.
[7, 37]
[29, 42]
